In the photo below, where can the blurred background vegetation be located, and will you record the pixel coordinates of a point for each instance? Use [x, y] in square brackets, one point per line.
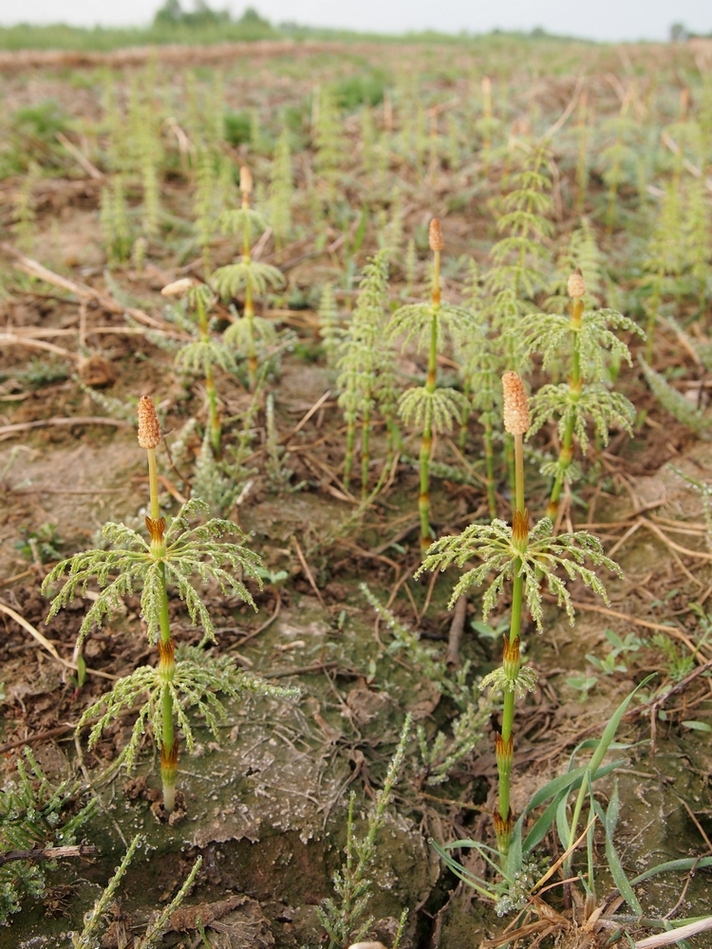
[204, 24]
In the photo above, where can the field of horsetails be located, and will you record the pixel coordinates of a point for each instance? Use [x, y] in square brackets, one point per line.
[356, 495]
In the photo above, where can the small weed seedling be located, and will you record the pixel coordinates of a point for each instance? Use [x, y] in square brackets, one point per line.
[174, 557]
[95, 919]
[344, 917]
[38, 824]
[441, 752]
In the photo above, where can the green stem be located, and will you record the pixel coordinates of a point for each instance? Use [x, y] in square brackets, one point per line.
[489, 469]
[249, 313]
[465, 416]
[349, 457]
[395, 442]
[504, 745]
[564, 462]
[424, 496]
[251, 351]
[508, 707]
[508, 456]
[566, 452]
[426, 445]
[213, 412]
[653, 306]
[166, 671]
[166, 648]
[365, 447]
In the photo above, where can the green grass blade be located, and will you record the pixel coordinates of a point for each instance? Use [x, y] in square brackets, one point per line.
[609, 821]
[478, 884]
[542, 825]
[612, 727]
[685, 863]
[562, 823]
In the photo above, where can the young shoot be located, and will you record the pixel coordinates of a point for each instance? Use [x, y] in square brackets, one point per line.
[479, 367]
[174, 558]
[426, 406]
[590, 337]
[365, 367]
[344, 916]
[247, 276]
[523, 557]
[200, 356]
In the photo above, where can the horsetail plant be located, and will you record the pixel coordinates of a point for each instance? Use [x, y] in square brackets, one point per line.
[113, 217]
[365, 367]
[39, 822]
[207, 197]
[481, 386]
[581, 253]
[281, 191]
[96, 917]
[248, 275]
[174, 558]
[520, 255]
[427, 406]
[329, 143]
[664, 260]
[343, 916]
[674, 402]
[329, 331]
[519, 259]
[525, 557]
[589, 337]
[201, 355]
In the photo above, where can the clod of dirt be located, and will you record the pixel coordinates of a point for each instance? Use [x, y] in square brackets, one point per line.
[176, 815]
[97, 372]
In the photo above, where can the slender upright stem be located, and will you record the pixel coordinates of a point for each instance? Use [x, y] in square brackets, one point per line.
[249, 313]
[465, 415]
[426, 445]
[350, 442]
[566, 452]
[516, 421]
[508, 456]
[504, 745]
[519, 475]
[166, 649]
[582, 156]
[653, 305]
[153, 484]
[395, 442]
[489, 469]
[365, 446]
[169, 742]
[213, 411]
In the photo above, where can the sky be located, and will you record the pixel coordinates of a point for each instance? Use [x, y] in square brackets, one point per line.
[607, 20]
